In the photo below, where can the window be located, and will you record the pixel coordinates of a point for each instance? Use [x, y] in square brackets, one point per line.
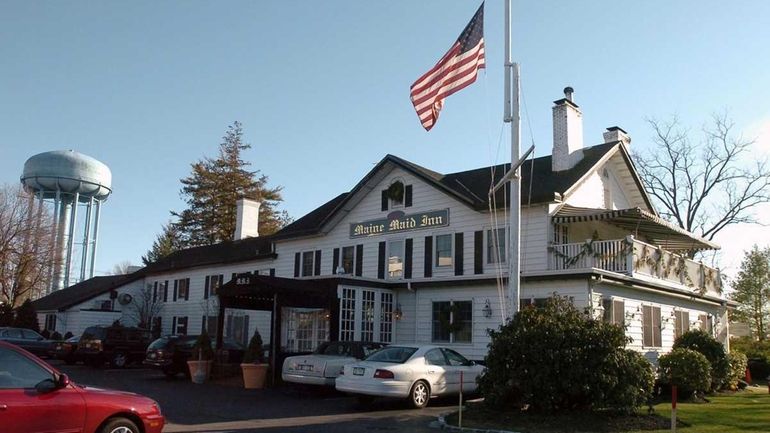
[367, 316]
[651, 332]
[455, 359]
[17, 371]
[213, 283]
[532, 302]
[183, 286]
[496, 246]
[705, 324]
[614, 311]
[348, 315]
[395, 259]
[210, 325]
[386, 317]
[681, 322]
[396, 194]
[443, 250]
[307, 263]
[435, 357]
[306, 329]
[452, 321]
[347, 259]
[50, 322]
[181, 326]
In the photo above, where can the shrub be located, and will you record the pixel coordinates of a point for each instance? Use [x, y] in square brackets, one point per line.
[56, 336]
[6, 314]
[556, 357]
[46, 334]
[26, 317]
[255, 354]
[202, 350]
[714, 352]
[758, 354]
[689, 370]
[738, 363]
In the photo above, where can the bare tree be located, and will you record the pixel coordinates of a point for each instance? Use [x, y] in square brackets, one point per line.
[27, 252]
[706, 186]
[121, 268]
[144, 308]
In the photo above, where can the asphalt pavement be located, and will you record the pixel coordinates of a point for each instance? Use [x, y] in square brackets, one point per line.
[224, 406]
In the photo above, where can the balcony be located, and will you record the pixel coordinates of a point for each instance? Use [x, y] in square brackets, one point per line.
[638, 259]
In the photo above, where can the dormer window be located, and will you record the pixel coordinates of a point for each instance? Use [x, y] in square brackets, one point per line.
[397, 195]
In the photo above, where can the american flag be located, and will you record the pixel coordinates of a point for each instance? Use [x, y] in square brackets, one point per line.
[456, 70]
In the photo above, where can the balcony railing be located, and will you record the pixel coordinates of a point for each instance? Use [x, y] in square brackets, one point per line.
[632, 257]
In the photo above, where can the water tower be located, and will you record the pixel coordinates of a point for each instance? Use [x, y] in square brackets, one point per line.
[68, 183]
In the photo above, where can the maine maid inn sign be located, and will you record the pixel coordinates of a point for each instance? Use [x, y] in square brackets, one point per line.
[400, 222]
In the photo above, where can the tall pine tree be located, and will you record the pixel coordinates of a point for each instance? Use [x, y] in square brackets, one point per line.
[214, 186]
[166, 243]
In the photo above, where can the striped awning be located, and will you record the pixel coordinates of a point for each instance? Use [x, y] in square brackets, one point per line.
[639, 222]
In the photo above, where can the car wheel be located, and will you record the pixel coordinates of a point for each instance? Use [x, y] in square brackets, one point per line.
[419, 395]
[119, 360]
[120, 425]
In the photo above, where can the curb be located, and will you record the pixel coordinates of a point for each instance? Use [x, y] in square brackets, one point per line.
[442, 424]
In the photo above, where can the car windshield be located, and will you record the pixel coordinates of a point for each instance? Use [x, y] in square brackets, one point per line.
[394, 354]
[160, 343]
[93, 333]
[73, 339]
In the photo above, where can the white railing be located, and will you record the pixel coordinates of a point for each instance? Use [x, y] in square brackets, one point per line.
[630, 256]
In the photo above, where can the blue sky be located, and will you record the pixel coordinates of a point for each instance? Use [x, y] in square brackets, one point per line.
[322, 88]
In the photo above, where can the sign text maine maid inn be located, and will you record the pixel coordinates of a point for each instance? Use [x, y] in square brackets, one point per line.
[400, 222]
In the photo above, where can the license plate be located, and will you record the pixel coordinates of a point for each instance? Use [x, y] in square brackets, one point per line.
[58, 347]
[305, 367]
[358, 371]
[152, 356]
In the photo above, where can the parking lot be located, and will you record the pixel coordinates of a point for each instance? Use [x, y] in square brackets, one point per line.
[224, 406]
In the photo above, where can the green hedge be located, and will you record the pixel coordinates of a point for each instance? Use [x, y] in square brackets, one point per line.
[689, 370]
[556, 357]
[714, 352]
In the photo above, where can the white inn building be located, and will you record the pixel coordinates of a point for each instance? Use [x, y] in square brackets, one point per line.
[409, 255]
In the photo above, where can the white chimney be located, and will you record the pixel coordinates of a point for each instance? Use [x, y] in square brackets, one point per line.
[567, 133]
[247, 219]
[616, 133]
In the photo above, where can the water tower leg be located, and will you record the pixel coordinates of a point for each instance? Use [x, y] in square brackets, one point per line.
[71, 240]
[96, 237]
[86, 240]
[62, 214]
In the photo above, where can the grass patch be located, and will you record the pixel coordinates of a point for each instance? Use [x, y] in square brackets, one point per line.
[745, 411]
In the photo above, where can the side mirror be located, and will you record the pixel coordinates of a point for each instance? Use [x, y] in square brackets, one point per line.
[471, 363]
[45, 386]
[62, 381]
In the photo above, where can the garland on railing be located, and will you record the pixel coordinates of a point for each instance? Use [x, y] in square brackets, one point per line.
[587, 249]
[675, 264]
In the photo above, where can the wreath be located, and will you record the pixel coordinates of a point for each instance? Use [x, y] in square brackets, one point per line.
[452, 326]
[395, 191]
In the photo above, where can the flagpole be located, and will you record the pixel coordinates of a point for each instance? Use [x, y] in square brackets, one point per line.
[512, 116]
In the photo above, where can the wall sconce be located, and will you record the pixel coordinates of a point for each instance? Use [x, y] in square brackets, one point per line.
[397, 313]
[487, 310]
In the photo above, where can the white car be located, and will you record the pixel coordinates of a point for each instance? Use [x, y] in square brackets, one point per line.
[325, 364]
[414, 372]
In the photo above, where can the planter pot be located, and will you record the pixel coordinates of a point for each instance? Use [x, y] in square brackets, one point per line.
[200, 371]
[254, 375]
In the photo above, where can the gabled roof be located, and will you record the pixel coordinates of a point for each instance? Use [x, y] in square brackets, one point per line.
[539, 185]
[223, 252]
[83, 291]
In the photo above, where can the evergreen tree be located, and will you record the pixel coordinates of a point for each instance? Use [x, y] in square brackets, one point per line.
[6, 314]
[26, 317]
[166, 243]
[214, 186]
[752, 292]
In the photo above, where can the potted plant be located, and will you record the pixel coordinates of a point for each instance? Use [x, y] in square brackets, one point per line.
[254, 366]
[201, 360]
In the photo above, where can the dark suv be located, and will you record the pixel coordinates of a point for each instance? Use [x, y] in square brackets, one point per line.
[118, 345]
[171, 353]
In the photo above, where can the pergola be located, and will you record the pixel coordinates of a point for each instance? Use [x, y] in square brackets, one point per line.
[265, 293]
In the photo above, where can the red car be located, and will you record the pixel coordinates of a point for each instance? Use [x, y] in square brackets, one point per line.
[36, 398]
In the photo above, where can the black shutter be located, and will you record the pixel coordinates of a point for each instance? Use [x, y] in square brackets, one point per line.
[206, 287]
[165, 291]
[335, 260]
[408, 196]
[176, 286]
[173, 325]
[458, 253]
[221, 283]
[384, 200]
[296, 265]
[187, 292]
[272, 272]
[381, 261]
[245, 341]
[203, 326]
[359, 259]
[317, 265]
[428, 256]
[478, 252]
[408, 259]
[155, 292]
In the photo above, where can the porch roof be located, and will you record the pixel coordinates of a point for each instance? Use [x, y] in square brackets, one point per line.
[258, 292]
[659, 231]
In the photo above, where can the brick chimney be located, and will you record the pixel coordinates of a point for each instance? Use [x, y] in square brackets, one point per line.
[616, 133]
[247, 219]
[567, 133]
